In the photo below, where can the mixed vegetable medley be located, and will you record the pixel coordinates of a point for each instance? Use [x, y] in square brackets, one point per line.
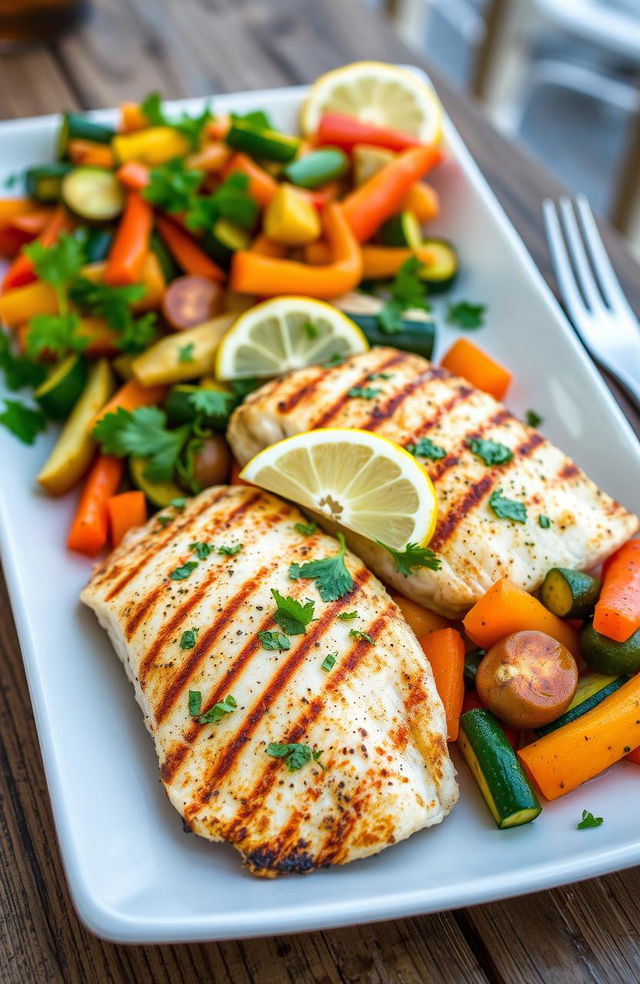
[136, 305]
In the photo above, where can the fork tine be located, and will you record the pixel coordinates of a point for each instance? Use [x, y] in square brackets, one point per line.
[561, 264]
[605, 273]
[584, 274]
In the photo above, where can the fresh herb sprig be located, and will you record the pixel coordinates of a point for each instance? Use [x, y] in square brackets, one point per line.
[331, 575]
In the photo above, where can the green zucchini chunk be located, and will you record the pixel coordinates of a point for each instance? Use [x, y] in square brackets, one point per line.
[591, 690]
[569, 594]
[441, 273]
[169, 267]
[416, 336]
[75, 126]
[402, 229]
[224, 240]
[44, 183]
[98, 244]
[62, 388]
[258, 142]
[159, 494]
[606, 655]
[94, 194]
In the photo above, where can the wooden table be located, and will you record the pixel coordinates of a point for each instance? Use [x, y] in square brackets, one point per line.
[580, 933]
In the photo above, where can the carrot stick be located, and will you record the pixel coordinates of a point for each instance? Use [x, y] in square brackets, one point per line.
[125, 511]
[133, 175]
[384, 261]
[21, 270]
[130, 396]
[444, 648]
[507, 608]
[571, 755]
[419, 618]
[125, 264]
[381, 196]
[423, 201]
[634, 756]
[88, 533]
[90, 153]
[186, 252]
[467, 360]
[617, 611]
[262, 187]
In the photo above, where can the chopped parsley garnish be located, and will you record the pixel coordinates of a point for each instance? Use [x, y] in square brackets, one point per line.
[274, 640]
[407, 291]
[142, 433]
[218, 711]
[23, 422]
[172, 186]
[202, 550]
[18, 370]
[163, 520]
[507, 508]
[231, 201]
[295, 755]
[413, 556]
[195, 702]
[184, 571]
[533, 418]
[464, 314]
[544, 522]
[588, 820]
[291, 615]
[185, 352]
[491, 452]
[57, 265]
[230, 551]
[364, 392]
[188, 638]
[179, 503]
[190, 127]
[331, 574]
[114, 304]
[336, 360]
[347, 616]
[364, 636]
[380, 375]
[212, 403]
[425, 448]
[329, 662]
[256, 117]
[305, 529]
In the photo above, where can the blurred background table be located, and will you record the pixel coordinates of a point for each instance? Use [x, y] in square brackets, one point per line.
[579, 933]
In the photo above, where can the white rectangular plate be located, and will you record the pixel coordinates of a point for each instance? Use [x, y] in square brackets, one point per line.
[134, 875]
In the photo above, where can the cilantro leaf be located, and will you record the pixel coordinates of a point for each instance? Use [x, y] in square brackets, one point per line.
[230, 201]
[218, 711]
[173, 186]
[507, 508]
[256, 117]
[413, 556]
[588, 820]
[274, 640]
[305, 529]
[60, 263]
[138, 333]
[425, 448]
[291, 615]
[23, 422]
[195, 702]
[202, 550]
[365, 392]
[18, 370]
[230, 551]
[347, 616]
[491, 452]
[151, 107]
[380, 375]
[533, 418]
[212, 403]
[188, 638]
[185, 352]
[544, 522]
[364, 636]
[329, 662]
[57, 333]
[464, 314]
[142, 433]
[390, 317]
[184, 571]
[407, 291]
[331, 575]
[114, 304]
[294, 754]
[190, 126]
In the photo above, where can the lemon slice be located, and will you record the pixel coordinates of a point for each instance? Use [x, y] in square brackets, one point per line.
[376, 93]
[363, 481]
[286, 333]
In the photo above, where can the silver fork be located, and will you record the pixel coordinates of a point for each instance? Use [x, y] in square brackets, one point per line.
[592, 295]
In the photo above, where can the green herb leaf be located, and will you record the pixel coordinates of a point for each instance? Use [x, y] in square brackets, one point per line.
[533, 418]
[336, 360]
[184, 571]
[142, 433]
[242, 387]
[173, 186]
[179, 503]
[390, 317]
[407, 291]
[57, 333]
[464, 314]
[507, 508]
[544, 522]
[163, 520]
[202, 550]
[329, 662]
[491, 452]
[364, 636]
[190, 126]
[331, 575]
[256, 117]
[18, 370]
[212, 403]
[305, 529]
[23, 422]
[291, 615]
[347, 616]
[365, 392]
[114, 304]
[380, 375]
[312, 331]
[231, 201]
[60, 263]
[294, 754]
[185, 352]
[425, 448]
[588, 820]
[218, 711]
[188, 638]
[230, 551]
[195, 702]
[274, 640]
[413, 556]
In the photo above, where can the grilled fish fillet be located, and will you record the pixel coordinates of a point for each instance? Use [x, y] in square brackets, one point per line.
[418, 399]
[375, 716]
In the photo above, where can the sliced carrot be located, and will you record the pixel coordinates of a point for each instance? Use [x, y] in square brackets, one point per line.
[125, 511]
[444, 648]
[507, 608]
[467, 360]
[262, 187]
[580, 750]
[130, 396]
[211, 158]
[419, 618]
[125, 264]
[133, 175]
[187, 253]
[617, 611]
[22, 270]
[422, 199]
[88, 534]
[132, 118]
[91, 154]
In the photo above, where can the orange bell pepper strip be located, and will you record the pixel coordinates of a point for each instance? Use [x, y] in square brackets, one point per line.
[134, 175]
[10, 207]
[444, 648]
[130, 396]
[132, 118]
[367, 207]
[187, 253]
[422, 199]
[22, 270]
[262, 245]
[125, 511]
[262, 187]
[617, 611]
[266, 277]
[125, 263]
[211, 158]
[318, 253]
[381, 262]
[89, 530]
[469, 361]
[91, 154]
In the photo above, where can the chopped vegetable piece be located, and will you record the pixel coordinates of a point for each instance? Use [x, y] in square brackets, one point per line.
[131, 245]
[211, 462]
[347, 131]
[591, 690]
[617, 611]
[188, 301]
[419, 618]
[422, 199]
[290, 218]
[22, 270]
[467, 360]
[187, 253]
[471, 663]
[608, 656]
[130, 396]
[62, 388]
[317, 168]
[88, 534]
[94, 194]
[153, 146]
[259, 141]
[569, 594]
[161, 364]
[533, 418]
[127, 510]
[382, 262]
[444, 649]
[262, 187]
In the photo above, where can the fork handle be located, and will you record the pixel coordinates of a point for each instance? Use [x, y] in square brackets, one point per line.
[629, 383]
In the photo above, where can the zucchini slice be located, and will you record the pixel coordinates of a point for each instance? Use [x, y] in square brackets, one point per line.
[441, 273]
[93, 194]
[159, 494]
[75, 126]
[606, 655]
[224, 239]
[98, 244]
[569, 594]
[591, 690]
[258, 142]
[44, 183]
[181, 408]
[402, 229]
[62, 388]
[418, 334]
[495, 767]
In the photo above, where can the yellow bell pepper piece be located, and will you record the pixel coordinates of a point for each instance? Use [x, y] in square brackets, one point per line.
[155, 145]
[165, 362]
[290, 218]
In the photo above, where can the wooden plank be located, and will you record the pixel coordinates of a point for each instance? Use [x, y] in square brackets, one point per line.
[33, 83]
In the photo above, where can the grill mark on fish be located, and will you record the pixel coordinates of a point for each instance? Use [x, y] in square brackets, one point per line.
[462, 394]
[478, 491]
[226, 759]
[387, 363]
[291, 401]
[439, 468]
[380, 413]
[150, 549]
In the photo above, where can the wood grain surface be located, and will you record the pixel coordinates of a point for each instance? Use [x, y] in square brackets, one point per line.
[579, 933]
